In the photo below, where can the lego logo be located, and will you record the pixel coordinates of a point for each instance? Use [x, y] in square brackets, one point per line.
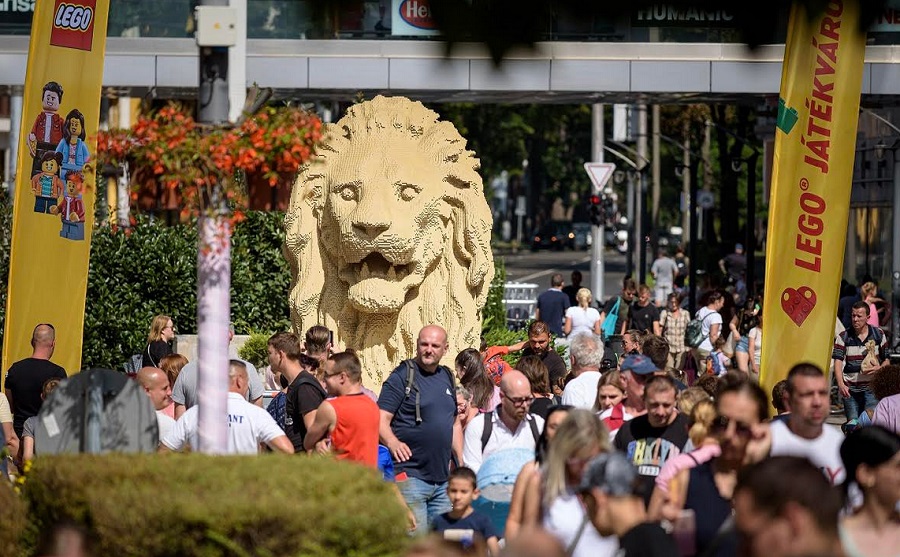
[76, 18]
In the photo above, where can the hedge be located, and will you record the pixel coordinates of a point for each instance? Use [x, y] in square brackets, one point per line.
[151, 268]
[216, 506]
[12, 519]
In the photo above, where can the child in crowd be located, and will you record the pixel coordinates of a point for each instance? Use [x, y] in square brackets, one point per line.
[26, 449]
[720, 362]
[463, 523]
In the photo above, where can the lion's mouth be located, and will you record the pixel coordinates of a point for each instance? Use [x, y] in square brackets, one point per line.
[377, 266]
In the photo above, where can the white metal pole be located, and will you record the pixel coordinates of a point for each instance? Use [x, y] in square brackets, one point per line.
[598, 232]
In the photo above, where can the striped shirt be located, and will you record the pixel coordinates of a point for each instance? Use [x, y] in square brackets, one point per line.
[850, 349]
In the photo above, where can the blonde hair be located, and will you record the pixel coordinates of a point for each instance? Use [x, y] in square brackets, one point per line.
[581, 433]
[868, 289]
[584, 297]
[156, 327]
[702, 417]
[689, 398]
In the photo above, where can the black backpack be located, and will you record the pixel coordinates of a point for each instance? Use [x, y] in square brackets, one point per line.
[412, 385]
[489, 426]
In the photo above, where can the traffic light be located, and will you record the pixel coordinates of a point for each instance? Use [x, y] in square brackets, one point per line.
[596, 210]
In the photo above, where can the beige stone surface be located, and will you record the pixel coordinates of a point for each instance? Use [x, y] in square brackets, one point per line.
[388, 230]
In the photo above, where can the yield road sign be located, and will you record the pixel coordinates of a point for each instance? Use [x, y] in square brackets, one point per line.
[599, 173]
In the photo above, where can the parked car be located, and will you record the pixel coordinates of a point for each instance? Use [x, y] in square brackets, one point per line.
[583, 235]
[556, 235]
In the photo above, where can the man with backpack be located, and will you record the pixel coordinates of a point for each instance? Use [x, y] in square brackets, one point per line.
[509, 426]
[419, 426]
[859, 353]
[304, 392]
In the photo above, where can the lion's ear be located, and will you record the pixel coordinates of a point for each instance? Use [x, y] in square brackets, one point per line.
[301, 225]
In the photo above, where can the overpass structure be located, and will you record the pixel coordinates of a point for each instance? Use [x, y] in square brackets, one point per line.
[553, 72]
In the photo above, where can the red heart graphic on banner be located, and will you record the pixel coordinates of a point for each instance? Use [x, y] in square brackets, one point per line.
[798, 303]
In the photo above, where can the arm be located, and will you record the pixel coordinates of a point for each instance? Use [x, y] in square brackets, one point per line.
[493, 546]
[531, 504]
[179, 410]
[597, 326]
[517, 346]
[668, 506]
[27, 449]
[12, 440]
[839, 378]
[567, 327]
[322, 426]
[714, 332]
[399, 450]
[517, 502]
[537, 314]
[657, 328]
[472, 456]
[281, 444]
[457, 445]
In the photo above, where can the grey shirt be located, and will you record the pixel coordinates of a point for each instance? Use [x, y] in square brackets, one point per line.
[664, 270]
[185, 389]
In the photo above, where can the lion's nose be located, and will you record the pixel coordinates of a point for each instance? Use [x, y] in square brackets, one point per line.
[370, 228]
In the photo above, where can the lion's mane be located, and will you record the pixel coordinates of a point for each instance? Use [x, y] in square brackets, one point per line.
[453, 292]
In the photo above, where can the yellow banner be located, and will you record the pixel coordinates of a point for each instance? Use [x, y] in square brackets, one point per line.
[815, 145]
[55, 178]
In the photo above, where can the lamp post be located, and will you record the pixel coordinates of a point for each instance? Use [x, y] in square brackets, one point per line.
[641, 171]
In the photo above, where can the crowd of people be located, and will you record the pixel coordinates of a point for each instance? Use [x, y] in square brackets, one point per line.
[616, 447]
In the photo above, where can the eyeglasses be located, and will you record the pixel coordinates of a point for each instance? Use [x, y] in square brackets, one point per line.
[518, 401]
[720, 425]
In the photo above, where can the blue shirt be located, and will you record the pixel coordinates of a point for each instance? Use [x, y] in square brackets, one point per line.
[476, 521]
[430, 441]
[553, 305]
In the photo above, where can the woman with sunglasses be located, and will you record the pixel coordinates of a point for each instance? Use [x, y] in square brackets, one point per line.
[703, 493]
[871, 457]
[162, 333]
[550, 497]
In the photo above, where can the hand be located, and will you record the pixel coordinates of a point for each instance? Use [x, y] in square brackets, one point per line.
[73, 217]
[32, 144]
[323, 446]
[759, 445]
[410, 520]
[400, 451]
[843, 389]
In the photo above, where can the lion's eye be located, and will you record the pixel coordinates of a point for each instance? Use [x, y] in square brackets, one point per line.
[348, 192]
[408, 191]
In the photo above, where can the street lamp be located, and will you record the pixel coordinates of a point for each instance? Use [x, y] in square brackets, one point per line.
[641, 171]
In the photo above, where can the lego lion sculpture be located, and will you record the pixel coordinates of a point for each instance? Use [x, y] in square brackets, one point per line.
[388, 231]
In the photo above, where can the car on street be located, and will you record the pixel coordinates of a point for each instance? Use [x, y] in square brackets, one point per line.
[583, 236]
[555, 235]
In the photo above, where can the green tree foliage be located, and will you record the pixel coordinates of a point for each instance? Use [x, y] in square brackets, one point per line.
[216, 506]
[12, 519]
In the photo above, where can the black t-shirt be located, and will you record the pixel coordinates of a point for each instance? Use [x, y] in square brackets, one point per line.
[649, 448]
[481, 524]
[642, 318]
[570, 290]
[430, 440]
[155, 352]
[556, 367]
[25, 381]
[735, 265]
[647, 539]
[622, 315]
[542, 405]
[304, 395]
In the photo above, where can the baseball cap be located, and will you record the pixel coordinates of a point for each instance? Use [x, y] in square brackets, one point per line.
[611, 473]
[639, 364]
[739, 247]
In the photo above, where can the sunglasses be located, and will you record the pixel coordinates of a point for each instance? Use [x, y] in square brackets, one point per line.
[720, 425]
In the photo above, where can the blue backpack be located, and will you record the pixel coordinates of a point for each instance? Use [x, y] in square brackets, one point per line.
[277, 408]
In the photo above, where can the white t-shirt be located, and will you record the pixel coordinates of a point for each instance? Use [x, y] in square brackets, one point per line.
[664, 269]
[756, 334]
[581, 392]
[166, 424]
[564, 518]
[582, 319]
[824, 451]
[708, 318]
[248, 426]
[501, 437]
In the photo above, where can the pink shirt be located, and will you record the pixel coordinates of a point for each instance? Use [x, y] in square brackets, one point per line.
[873, 315]
[887, 413]
[685, 461]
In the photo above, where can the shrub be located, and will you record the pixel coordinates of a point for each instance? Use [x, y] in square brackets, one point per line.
[255, 350]
[12, 519]
[193, 504]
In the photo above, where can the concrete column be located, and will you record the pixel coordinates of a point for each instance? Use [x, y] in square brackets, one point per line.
[17, 93]
[237, 63]
[640, 206]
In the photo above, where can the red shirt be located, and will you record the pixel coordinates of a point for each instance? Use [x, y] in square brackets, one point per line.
[355, 436]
